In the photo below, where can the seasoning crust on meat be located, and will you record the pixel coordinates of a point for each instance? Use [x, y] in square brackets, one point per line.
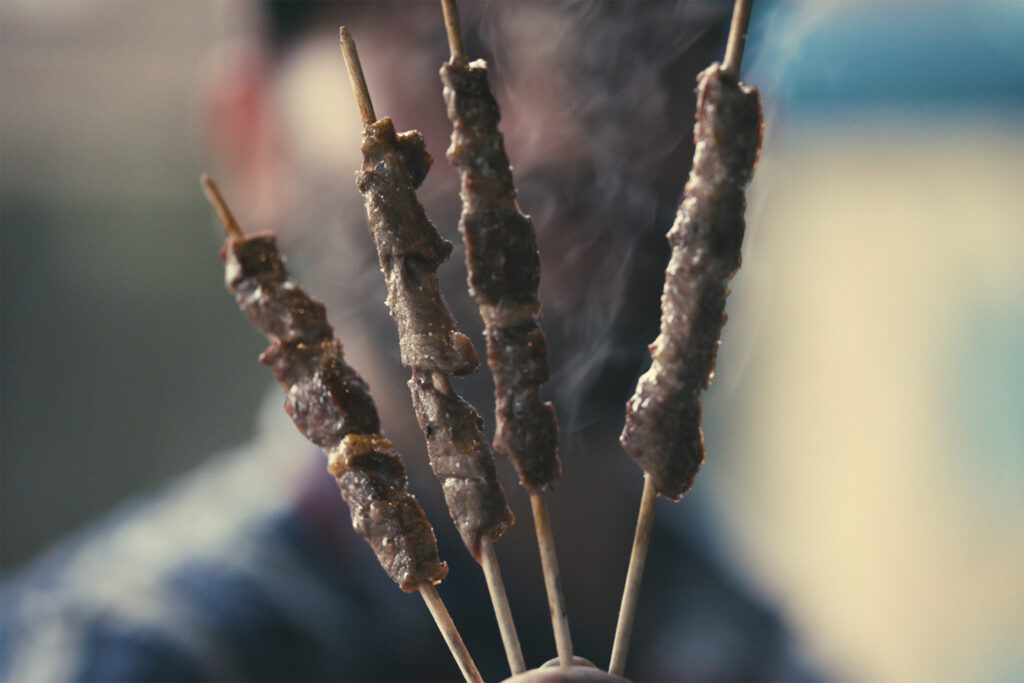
[504, 273]
[331, 405]
[662, 430]
[462, 462]
[410, 250]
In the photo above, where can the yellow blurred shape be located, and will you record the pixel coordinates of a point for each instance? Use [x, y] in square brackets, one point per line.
[847, 482]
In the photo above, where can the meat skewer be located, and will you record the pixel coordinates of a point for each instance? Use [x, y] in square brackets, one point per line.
[410, 250]
[331, 405]
[662, 431]
[504, 274]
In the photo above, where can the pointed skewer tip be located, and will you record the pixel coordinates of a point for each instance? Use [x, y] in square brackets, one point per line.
[355, 75]
[216, 200]
[737, 38]
[453, 28]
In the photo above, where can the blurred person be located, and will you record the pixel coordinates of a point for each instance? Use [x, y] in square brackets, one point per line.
[248, 569]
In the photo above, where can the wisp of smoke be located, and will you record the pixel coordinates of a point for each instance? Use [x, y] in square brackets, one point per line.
[597, 110]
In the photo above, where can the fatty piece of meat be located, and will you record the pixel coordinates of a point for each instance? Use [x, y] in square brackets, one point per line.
[276, 306]
[662, 430]
[462, 462]
[372, 481]
[410, 250]
[331, 405]
[504, 274]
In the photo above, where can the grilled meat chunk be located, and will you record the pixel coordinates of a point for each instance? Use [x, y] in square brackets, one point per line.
[662, 430]
[410, 250]
[373, 483]
[331, 405]
[277, 307]
[462, 462]
[326, 398]
[504, 273]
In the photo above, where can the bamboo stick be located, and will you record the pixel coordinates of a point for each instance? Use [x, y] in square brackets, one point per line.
[552, 579]
[737, 37]
[634, 577]
[355, 74]
[227, 218]
[451, 634]
[502, 611]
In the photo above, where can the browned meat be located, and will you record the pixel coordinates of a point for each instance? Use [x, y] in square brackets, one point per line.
[410, 250]
[373, 483]
[662, 430]
[326, 398]
[527, 430]
[462, 461]
[331, 405]
[504, 273]
[255, 272]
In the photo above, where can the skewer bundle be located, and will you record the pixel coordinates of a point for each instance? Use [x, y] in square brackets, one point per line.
[330, 403]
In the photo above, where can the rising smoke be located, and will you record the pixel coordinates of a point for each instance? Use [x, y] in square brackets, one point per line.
[597, 103]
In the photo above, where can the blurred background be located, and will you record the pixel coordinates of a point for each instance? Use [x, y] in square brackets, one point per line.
[865, 430]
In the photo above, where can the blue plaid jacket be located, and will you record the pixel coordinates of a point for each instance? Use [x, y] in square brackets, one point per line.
[247, 569]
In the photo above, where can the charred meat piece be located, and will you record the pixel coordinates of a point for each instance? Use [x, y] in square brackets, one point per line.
[504, 273]
[462, 462]
[527, 430]
[255, 272]
[410, 250]
[662, 430]
[331, 405]
[373, 483]
[326, 399]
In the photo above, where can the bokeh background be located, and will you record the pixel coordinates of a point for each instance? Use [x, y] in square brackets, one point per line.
[866, 429]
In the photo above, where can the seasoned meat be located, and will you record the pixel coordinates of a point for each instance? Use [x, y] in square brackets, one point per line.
[504, 273]
[527, 429]
[662, 430]
[462, 461]
[255, 272]
[373, 483]
[410, 250]
[327, 399]
[331, 405]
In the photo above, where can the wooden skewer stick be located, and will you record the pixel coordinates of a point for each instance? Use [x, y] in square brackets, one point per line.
[496, 587]
[552, 579]
[737, 37]
[212, 192]
[355, 74]
[454, 29]
[634, 577]
[450, 633]
[492, 572]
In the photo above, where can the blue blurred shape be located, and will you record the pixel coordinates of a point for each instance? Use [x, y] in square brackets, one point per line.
[851, 53]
